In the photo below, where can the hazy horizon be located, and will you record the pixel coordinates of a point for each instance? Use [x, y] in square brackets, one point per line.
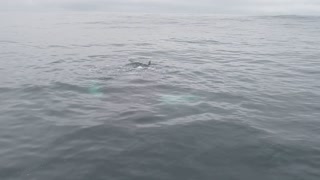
[246, 7]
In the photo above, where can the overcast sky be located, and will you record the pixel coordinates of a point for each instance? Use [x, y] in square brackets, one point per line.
[273, 7]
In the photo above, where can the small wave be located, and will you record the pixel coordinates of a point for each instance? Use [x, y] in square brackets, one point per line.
[182, 120]
[89, 45]
[198, 42]
[57, 62]
[118, 45]
[143, 44]
[293, 17]
[58, 46]
[99, 56]
[96, 22]
[8, 42]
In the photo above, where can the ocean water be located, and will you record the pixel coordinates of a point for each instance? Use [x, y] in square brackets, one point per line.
[225, 97]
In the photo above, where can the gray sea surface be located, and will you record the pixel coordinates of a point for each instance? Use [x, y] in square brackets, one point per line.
[225, 97]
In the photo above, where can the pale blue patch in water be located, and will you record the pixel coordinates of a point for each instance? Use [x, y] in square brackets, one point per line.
[95, 90]
[178, 99]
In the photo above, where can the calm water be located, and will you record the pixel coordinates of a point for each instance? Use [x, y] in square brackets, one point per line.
[225, 97]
